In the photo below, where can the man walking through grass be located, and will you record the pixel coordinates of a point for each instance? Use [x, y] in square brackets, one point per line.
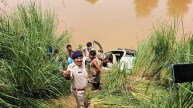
[77, 73]
[95, 70]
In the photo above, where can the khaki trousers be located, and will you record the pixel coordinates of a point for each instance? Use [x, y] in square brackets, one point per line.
[79, 96]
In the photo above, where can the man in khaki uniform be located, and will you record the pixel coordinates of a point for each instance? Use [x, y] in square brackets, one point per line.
[77, 73]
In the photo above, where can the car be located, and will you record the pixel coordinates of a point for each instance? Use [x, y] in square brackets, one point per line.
[124, 56]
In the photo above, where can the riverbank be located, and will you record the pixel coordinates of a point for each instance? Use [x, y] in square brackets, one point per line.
[30, 76]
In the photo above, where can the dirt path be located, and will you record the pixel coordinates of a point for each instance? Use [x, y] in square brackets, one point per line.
[69, 101]
[64, 102]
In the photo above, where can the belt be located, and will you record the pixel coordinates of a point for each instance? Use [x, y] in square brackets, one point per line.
[78, 89]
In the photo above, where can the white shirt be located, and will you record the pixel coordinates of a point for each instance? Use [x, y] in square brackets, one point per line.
[86, 50]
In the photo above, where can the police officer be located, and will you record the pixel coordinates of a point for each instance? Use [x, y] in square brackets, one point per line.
[77, 73]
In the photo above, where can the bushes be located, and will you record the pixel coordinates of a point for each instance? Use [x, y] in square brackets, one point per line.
[26, 70]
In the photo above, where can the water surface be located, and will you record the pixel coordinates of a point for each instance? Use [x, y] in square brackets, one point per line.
[114, 23]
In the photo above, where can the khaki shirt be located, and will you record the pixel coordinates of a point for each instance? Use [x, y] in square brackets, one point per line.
[78, 76]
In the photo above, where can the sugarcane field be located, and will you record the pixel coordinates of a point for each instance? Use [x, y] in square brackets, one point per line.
[96, 54]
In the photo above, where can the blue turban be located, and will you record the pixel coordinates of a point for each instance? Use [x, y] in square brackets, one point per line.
[76, 54]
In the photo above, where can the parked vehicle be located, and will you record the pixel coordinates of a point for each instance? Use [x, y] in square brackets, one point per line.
[124, 56]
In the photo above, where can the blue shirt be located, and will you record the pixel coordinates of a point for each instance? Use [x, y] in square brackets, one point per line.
[70, 60]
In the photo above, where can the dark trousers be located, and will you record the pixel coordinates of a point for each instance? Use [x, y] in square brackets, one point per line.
[96, 86]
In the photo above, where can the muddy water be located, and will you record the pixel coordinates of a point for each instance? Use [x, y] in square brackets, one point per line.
[115, 24]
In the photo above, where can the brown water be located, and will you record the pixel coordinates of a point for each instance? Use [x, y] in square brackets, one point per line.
[114, 23]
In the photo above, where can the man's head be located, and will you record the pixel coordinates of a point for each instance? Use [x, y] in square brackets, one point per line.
[56, 51]
[92, 54]
[69, 47]
[89, 45]
[77, 57]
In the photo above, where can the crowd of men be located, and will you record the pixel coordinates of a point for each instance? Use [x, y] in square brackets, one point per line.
[83, 67]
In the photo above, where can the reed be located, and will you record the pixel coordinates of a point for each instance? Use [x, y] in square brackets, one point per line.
[154, 59]
[28, 72]
[150, 84]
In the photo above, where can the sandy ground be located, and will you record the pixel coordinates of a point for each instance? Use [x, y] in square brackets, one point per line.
[64, 102]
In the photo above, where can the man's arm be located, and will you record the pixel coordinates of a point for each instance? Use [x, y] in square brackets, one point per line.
[95, 64]
[101, 59]
[84, 52]
[66, 74]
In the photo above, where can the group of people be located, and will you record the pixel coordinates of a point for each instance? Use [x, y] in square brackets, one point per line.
[83, 67]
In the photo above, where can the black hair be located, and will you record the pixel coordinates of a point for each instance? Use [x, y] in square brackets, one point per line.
[56, 51]
[89, 44]
[68, 46]
[92, 52]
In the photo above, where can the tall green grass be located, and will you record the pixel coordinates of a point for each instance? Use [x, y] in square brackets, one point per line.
[154, 59]
[150, 84]
[155, 55]
[115, 91]
[27, 71]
